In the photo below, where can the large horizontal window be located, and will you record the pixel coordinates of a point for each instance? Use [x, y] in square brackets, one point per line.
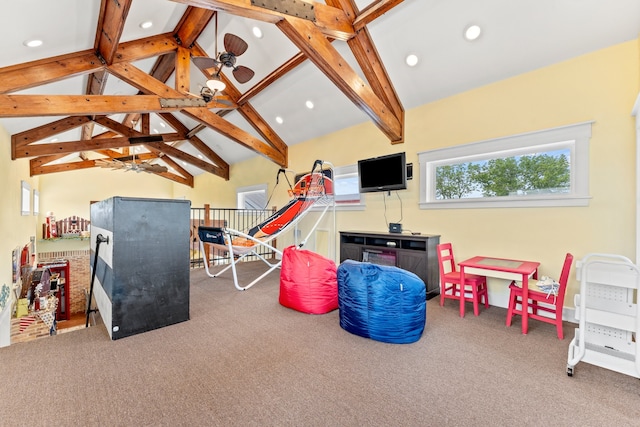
[543, 168]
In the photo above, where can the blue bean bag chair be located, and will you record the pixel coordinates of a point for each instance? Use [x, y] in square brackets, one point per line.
[380, 302]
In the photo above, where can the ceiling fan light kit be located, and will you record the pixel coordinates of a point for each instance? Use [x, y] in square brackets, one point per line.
[215, 84]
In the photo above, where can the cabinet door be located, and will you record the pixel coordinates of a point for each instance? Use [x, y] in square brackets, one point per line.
[350, 251]
[424, 266]
[414, 261]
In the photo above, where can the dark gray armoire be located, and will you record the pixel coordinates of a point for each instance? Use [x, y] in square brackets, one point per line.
[142, 273]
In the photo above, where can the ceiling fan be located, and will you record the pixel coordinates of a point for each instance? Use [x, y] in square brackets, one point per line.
[234, 46]
[129, 164]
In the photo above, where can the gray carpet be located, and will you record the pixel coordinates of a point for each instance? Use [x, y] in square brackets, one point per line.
[244, 360]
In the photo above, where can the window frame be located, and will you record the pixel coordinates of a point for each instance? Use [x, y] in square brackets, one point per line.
[351, 204]
[241, 191]
[25, 198]
[576, 137]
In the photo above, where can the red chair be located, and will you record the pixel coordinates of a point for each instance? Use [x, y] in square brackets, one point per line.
[475, 287]
[547, 302]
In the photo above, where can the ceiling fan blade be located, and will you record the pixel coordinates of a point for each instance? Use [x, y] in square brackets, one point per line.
[204, 62]
[159, 169]
[243, 74]
[234, 44]
[150, 167]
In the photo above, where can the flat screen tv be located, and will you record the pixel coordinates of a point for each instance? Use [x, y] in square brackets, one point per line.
[384, 173]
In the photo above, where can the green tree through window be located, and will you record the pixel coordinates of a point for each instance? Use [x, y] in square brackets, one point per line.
[510, 176]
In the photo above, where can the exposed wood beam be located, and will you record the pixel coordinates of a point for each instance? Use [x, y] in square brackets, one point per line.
[233, 132]
[250, 114]
[331, 21]
[279, 72]
[48, 130]
[262, 127]
[77, 105]
[113, 15]
[115, 126]
[49, 70]
[367, 55]
[86, 164]
[83, 145]
[186, 180]
[62, 167]
[175, 165]
[182, 66]
[373, 11]
[43, 160]
[178, 154]
[375, 72]
[197, 143]
[110, 26]
[147, 84]
[148, 47]
[320, 51]
[192, 24]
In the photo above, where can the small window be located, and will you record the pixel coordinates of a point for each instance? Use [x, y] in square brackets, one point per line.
[346, 188]
[252, 197]
[544, 168]
[36, 202]
[25, 202]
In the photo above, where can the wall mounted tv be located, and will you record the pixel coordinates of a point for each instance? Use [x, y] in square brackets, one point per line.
[384, 173]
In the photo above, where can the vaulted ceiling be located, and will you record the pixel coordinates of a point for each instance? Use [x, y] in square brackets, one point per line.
[103, 90]
[311, 27]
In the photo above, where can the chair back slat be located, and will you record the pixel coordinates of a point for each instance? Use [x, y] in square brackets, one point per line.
[562, 281]
[446, 258]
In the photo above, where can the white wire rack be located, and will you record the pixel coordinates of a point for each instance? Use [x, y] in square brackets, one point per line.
[607, 312]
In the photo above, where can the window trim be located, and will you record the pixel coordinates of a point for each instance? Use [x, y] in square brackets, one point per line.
[348, 205]
[576, 136]
[249, 189]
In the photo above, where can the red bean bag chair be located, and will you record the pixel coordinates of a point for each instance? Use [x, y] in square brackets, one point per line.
[308, 281]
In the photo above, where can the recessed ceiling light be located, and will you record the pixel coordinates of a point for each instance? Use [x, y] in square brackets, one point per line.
[257, 32]
[412, 60]
[155, 130]
[163, 125]
[472, 32]
[309, 105]
[33, 43]
[279, 120]
[200, 156]
[146, 24]
[54, 139]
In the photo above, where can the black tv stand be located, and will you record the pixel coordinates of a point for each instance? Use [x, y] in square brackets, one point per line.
[411, 252]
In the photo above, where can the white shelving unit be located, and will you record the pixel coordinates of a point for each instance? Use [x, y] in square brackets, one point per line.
[607, 314]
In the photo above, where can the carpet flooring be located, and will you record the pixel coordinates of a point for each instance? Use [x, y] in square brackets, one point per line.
[244, 360]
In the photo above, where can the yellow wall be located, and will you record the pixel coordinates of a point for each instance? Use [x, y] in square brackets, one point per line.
[70, 193]
[16, 229]
[601, 86]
